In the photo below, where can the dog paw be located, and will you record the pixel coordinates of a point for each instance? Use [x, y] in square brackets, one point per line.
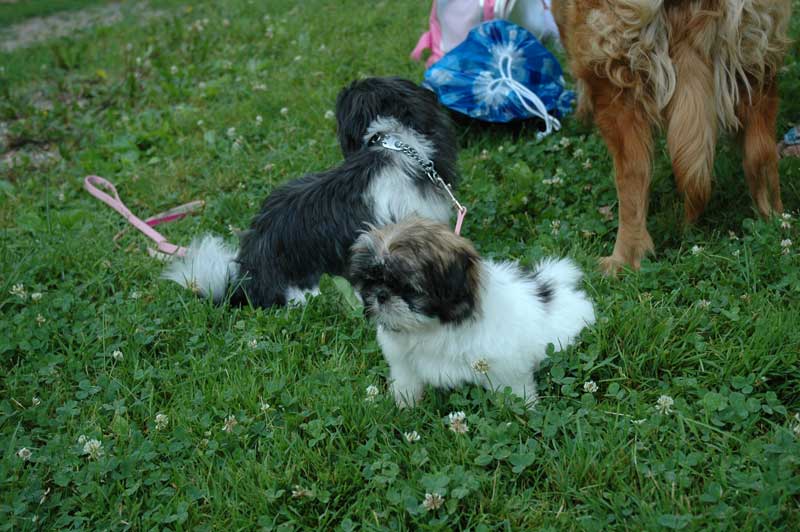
[609, 266]
[406, 397]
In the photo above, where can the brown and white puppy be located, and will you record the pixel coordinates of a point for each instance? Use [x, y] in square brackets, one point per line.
[446, 317]
[694, 67]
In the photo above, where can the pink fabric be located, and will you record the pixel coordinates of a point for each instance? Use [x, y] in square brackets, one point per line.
[431, 39]
[459, 20]
[91, 182]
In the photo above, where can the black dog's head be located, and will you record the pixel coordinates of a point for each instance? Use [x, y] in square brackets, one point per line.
[363, 101]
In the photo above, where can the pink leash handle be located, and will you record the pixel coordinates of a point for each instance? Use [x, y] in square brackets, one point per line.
[91, 182]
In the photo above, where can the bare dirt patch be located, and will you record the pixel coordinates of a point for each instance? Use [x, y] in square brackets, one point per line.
[40, 29]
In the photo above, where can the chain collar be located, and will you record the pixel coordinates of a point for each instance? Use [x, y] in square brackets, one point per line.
[390, 142]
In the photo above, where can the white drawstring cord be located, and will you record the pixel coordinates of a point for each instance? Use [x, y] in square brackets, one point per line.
[551, 123]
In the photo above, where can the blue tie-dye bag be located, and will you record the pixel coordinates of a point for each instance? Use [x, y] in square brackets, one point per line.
[501, 72]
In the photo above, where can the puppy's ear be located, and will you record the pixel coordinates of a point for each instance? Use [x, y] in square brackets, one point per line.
[362, 256]
[454, 294]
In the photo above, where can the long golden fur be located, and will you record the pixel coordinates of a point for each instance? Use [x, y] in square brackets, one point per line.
[692, 67]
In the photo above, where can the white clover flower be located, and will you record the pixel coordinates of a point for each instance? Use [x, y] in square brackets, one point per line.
[329, 115]
[786, 244]
[161, 421]
[36, 296]
[268, 167]
[299, 492]
[259, 120]
[82, 439]
[117, 356]
[411, 437]
[565, 142]
[40, 319]
[230, 423]
[578, 153]
[590, 386]
[298, 58]
[252, 344]
[732, 235]
[226, 22]
[24, 454]
[696, 250]
[284, 111]
[664, 404]
[231, 132]
[93, 448]
[372, 393]
[35, 401]
[201, 85]
[200, 123]
[433, 501]
[786, 225]
[703, 303]
[786, 216]
[135, 294]
[173, 70]
[481, 366]
[587, 164]
[458, 422]
[606, 212]
[265, 407]
[19, 291]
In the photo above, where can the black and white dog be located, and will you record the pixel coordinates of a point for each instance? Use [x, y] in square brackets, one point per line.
[389, 129]
[447, 317]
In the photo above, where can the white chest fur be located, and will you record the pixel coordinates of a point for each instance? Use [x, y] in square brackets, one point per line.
[394, 196]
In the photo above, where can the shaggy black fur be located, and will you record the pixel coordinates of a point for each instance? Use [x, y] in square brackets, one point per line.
[306, 226]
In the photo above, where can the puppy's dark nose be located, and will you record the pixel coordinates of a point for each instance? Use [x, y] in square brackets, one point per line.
[382, 295]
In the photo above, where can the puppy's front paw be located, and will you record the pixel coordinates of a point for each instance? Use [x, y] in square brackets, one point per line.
[406, 396]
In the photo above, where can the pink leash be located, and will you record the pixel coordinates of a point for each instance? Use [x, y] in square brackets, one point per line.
[462, 212]
[145, 226]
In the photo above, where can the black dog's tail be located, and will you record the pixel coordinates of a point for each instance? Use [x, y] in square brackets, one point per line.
[209, 268]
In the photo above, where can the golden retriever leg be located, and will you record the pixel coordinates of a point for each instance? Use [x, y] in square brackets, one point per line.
[757, 116]
[627, 132]
[692, 127]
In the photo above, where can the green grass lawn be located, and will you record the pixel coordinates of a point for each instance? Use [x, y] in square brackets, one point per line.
[265, 421]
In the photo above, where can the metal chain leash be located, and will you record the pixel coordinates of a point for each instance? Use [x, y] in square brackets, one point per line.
[392, 143]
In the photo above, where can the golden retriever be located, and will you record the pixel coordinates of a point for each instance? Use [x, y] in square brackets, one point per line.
[691, 67]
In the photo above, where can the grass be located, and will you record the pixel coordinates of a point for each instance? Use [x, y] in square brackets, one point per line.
[715, 327]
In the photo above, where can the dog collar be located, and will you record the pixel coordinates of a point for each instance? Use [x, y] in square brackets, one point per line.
[390, 142]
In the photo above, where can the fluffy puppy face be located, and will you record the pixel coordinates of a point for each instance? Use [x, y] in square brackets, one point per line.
[415, 273]
[362, 102]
